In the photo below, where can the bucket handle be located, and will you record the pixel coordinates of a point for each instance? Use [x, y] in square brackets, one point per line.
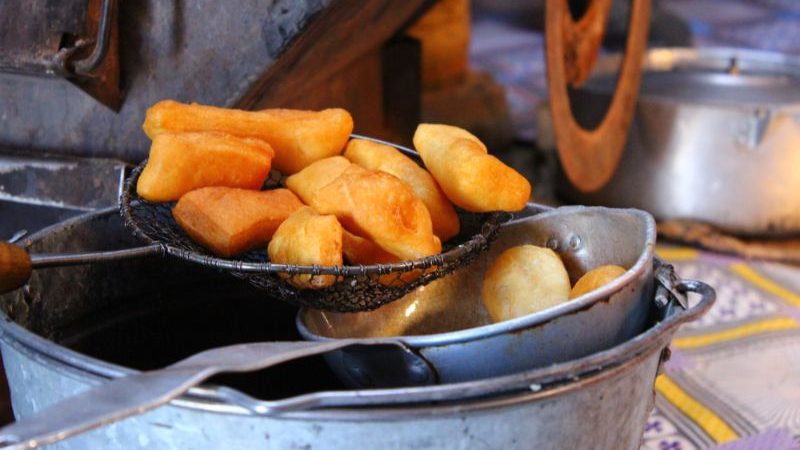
[686, 312]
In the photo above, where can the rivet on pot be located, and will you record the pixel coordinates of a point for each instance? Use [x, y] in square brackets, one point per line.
[661, 300]
[552, 243]
[575, 242]
[419, 373]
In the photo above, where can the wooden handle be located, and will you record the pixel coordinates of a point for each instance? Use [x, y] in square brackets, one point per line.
[15, 267]
[582, 40]
[590, 157]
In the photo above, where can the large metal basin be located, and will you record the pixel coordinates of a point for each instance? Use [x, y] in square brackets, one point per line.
[73, 328]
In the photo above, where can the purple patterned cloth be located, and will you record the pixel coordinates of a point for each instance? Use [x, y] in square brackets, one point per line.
[768, 440]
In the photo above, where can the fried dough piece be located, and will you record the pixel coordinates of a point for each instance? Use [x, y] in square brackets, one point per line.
[594, 279]
[523, 280]
[381, 208]
[306, 182]
[373, 155]
[359, 250]
[299, 137]
[308, 238]
[468, 175]
[183, 162]
[230, 221]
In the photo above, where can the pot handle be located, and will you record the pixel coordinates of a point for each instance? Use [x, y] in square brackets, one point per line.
[689, 312]
[135, 394]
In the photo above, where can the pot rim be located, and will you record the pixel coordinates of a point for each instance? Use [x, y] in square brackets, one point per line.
[718, 58]
[643, 263]
[532, 385]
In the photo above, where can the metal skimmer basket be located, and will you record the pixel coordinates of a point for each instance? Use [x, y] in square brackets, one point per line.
[357, 288]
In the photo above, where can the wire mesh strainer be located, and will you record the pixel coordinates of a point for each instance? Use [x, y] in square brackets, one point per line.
[357, 288]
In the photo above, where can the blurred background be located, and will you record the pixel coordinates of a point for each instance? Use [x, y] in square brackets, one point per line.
[720, 168]
[507, 42]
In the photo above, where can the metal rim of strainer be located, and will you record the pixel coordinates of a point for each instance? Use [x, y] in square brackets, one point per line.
[348, 277]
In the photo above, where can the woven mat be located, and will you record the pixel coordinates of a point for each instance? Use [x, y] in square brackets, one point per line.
[710, 238]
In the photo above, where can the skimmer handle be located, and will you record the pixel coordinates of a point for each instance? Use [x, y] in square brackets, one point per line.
[15, 267]
[16, 264]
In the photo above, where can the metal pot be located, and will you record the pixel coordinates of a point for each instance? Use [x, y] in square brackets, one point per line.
[714, 139]
[121, 303]
[446, 323]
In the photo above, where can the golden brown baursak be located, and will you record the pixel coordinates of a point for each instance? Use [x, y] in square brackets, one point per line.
[469, 176]
[182, 162]
[373, 155]
[230, 221]
[299, 137]
[595, 278]
[523, 280]
[380, 207]
[307, 238]
[316, 175]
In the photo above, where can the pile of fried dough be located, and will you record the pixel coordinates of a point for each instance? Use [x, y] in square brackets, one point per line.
[345, 199]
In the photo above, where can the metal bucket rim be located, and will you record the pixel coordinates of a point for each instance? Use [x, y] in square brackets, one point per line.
[498, 399]
[216, 399]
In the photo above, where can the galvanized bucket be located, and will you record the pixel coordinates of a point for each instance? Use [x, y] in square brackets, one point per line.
[598, 401]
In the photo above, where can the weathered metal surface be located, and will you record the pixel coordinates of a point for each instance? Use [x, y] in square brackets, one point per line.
[597, 413]
[73, 39]
[98, 71]
[33, 31]
[475, 348]
[246, 53]
[607, 396]
[136, 393]
[714, 139]
[39, 190]
[59, 181]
